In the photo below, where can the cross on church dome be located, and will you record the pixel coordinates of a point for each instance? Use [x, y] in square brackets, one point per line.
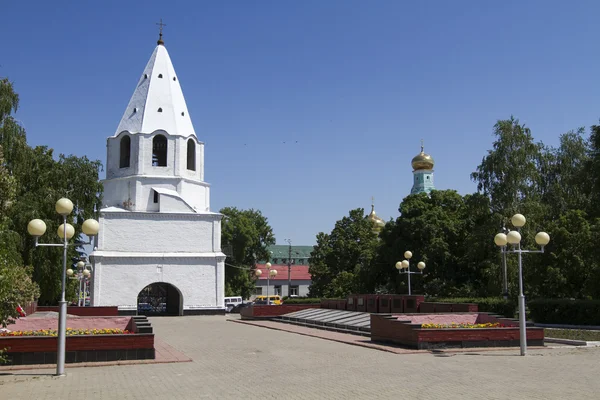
[160, 39]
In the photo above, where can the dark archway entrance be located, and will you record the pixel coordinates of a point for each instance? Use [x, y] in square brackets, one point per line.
[159, 298]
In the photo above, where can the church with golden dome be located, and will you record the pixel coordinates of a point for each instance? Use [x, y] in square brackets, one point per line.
[376, 221]
[422, 165]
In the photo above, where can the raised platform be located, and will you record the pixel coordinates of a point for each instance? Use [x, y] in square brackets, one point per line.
[355, 322]
[29, 349]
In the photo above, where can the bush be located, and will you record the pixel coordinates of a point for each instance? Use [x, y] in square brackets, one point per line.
[301, 300]
[565, 311]
[494, 305]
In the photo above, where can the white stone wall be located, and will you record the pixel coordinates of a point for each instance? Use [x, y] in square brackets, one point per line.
[138, 190]
[118, 280]
[159, 232]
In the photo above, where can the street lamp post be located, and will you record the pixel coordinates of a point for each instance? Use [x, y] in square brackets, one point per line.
[514, 239]
[405, 265]
[505, 271]
[37, 228]
[82, 274]
[271, 273]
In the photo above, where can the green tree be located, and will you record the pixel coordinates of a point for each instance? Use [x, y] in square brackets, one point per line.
[564, 185]
[509, 174]
[245, 238]
[341, 261]
[38, 180]
[16, 287]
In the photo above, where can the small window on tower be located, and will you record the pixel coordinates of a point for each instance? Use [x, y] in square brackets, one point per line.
[155, 196]
[174, 78]
[125, 152]
[191, 155]
[145, 76]
[182, 113]
[427, 178]
[159, 109]
[159, 151]
[160, 76]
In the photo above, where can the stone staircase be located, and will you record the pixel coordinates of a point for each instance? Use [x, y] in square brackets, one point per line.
[352, 322]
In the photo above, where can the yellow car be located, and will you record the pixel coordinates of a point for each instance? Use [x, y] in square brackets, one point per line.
[272, 300]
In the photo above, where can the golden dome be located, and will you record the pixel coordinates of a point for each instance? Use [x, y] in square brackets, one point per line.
[422, 160]
[375, 220]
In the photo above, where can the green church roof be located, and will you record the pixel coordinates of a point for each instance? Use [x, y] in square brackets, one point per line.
[280, 254]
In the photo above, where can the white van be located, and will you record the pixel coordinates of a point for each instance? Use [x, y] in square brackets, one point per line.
[231, 302]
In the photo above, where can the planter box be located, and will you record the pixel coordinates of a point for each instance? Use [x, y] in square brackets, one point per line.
[258, 311]
[24, 350]
[406, 330]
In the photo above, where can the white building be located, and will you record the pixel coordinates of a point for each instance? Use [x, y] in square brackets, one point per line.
[159, 245]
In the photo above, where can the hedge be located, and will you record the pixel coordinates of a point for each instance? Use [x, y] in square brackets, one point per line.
[494, 305]
[565, 311]
[301, 300]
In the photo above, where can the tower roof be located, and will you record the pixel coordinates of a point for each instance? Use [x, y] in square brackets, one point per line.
[157, 102]
[422, 160]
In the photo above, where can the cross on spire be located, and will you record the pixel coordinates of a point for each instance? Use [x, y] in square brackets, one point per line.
[160, 25]
[422, 146]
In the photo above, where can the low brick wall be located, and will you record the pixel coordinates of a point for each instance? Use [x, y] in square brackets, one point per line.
[401, 330]
[372, 303]
[269, 311]
[30, 308]
[427, 307]
[108, 311]
[42, 349]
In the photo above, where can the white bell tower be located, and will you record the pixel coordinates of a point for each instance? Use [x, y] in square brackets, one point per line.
[159, 246]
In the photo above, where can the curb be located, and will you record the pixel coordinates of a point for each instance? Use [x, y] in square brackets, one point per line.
[572, 342]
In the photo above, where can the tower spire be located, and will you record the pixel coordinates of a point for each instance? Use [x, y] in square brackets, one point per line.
[160, 39]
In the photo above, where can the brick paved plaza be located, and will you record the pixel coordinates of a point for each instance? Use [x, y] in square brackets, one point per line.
[237, 361]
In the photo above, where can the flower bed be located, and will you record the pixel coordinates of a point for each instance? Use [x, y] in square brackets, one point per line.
[89, 339]
[466, 326]
[70, 332]
[429, 331]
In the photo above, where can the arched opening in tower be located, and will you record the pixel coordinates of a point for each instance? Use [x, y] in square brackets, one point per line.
[159, 298]
[159, 151]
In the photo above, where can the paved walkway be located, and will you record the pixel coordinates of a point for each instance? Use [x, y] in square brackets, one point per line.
[363, 341]
[239, 361]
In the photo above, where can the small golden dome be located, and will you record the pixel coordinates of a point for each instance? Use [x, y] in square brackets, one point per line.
[375, 220]
[422, 160]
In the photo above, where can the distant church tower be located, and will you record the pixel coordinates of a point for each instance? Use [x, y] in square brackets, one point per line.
[422, 165]
[159, 246]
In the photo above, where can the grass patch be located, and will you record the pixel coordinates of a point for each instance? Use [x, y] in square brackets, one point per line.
[573, 334]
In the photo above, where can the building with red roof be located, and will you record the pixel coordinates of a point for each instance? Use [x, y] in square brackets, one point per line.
[299, 278]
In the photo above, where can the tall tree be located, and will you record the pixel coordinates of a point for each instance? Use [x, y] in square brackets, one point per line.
[509, 174]
[563, 186]
[245, 237]
[16, 287]
[38, 180]
[341, 261]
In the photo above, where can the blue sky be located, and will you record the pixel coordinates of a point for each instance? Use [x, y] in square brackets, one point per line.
[356, 83]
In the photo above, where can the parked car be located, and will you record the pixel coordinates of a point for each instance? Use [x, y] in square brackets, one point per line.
[238, 307]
